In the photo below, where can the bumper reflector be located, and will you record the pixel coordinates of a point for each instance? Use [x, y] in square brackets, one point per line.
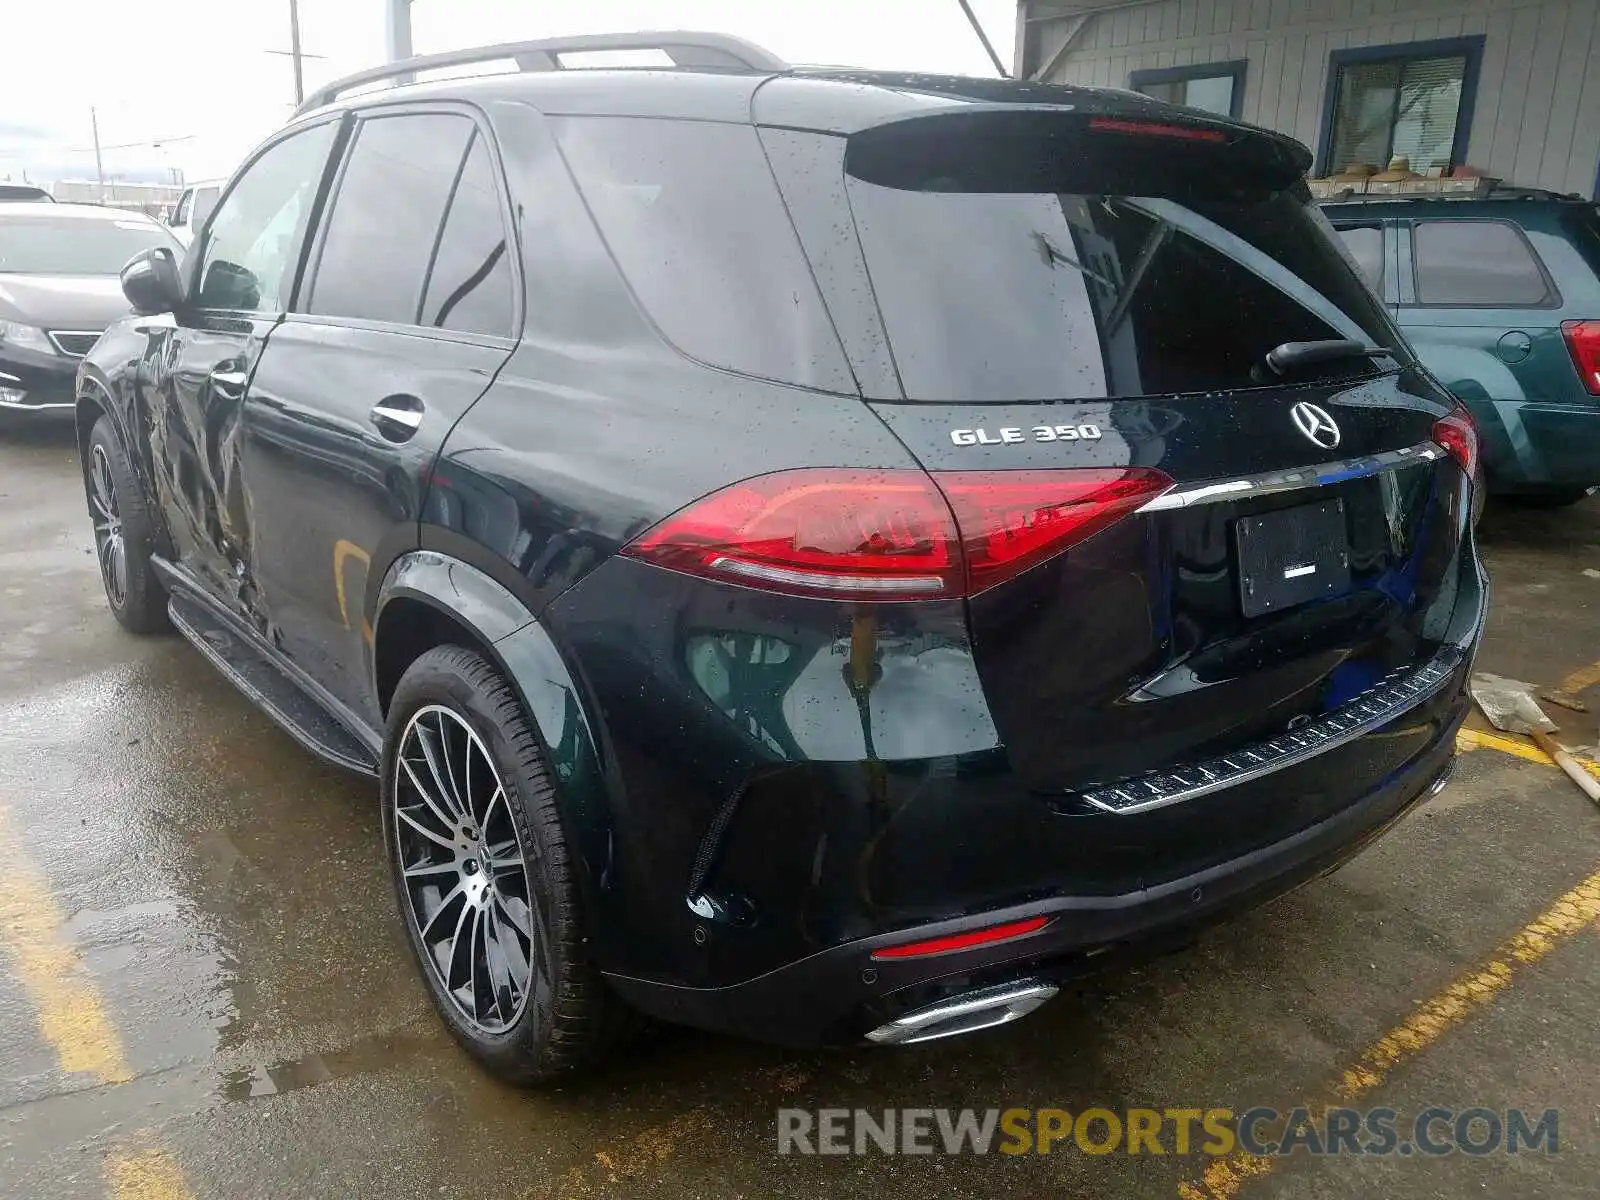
[963, 941]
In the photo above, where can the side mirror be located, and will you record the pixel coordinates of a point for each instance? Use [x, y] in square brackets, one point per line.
[151, 282]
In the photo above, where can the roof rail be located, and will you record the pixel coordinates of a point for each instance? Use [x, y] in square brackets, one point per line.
[1502, 191]
[686, 48]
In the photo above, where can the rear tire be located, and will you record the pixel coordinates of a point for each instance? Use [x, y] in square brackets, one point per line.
[468, 865]
[124, 534]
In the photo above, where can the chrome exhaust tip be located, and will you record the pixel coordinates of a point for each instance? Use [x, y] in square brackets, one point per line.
[1438, 785]
[969, 1012]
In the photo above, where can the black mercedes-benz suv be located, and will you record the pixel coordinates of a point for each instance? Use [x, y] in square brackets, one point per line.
[815, 554]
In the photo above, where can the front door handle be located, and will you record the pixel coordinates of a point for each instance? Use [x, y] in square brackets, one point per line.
[398, 417]
[229, 385]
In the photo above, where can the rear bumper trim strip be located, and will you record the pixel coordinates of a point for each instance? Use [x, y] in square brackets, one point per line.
[1378, 705]
[1300, 477]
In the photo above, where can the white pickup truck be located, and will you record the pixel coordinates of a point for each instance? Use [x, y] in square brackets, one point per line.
[194, 206]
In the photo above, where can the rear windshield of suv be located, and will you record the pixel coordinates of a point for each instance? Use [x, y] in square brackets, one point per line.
[1010, 294]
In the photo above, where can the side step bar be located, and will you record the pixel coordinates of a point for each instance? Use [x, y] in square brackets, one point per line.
[966, 1013]
[272, 691]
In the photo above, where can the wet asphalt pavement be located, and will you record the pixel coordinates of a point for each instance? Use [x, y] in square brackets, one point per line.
[204, 990]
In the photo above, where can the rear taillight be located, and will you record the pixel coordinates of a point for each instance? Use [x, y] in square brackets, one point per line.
[879, 535]
[1013, 520]
[1458, 434]
[1583, 339]
[892, 534]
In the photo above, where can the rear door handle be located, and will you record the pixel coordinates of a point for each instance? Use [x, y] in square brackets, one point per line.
[398, 417]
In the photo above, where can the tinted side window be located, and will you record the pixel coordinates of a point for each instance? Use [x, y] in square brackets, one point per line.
[690, 212]
[385, 218]
[1484, 263]
[253, 246]
[469, 285]
[1365, 243]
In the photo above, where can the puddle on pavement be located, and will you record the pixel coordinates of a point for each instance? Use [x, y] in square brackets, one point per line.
[363, 1057]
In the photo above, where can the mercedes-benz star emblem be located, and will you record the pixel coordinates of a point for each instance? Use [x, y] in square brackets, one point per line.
[1316, 424]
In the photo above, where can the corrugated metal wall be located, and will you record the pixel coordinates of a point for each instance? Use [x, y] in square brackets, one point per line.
[1537, 117]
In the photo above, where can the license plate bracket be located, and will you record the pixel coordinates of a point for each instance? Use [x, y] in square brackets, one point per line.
[1292, 556]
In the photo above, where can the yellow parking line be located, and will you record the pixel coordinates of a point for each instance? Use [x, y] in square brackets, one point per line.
[629, 1162]
[1574, 912]
[1579, 680]
[150, 1175]
[71, 1014]
[70, 1011]
[1471, 739]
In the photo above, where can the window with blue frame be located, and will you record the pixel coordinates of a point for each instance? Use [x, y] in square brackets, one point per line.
[1408, 101]
[1210, 87]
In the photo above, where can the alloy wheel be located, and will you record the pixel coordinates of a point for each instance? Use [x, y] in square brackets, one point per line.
[466, 885]
[110, 547]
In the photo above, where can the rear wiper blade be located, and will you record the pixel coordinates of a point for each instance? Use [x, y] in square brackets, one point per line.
[1281, 360]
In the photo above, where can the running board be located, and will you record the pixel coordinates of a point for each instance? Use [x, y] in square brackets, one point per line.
[269, 689]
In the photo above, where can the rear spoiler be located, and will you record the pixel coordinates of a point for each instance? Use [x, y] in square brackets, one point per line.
[1094, 149]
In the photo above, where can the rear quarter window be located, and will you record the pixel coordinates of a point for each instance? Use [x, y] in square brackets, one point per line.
[1482, 264]
[691, 214]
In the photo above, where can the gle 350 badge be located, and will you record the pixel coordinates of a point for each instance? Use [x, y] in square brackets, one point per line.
[1009, 434]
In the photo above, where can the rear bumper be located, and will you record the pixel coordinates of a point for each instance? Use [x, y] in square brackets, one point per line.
[840, 994]
[743, 864]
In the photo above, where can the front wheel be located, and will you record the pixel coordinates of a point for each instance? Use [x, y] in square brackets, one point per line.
[124, 533]
[484, 877]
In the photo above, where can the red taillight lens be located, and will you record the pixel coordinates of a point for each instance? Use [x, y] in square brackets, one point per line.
[1185, 133]
[1012, 520]
[890, 535]
[1459, 435]
[964, 941]
[876, 535]
[1583, 339]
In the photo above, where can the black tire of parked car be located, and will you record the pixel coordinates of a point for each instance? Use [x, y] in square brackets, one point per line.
[140, 604]
[1562, 498]
[571, 1019]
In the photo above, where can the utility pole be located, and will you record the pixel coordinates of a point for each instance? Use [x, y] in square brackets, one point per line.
[294, 52]
[99, 167]
[397, 29]
[972, 19]
[297, 55]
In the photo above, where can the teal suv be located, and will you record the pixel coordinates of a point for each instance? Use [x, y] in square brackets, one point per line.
[1500, 297]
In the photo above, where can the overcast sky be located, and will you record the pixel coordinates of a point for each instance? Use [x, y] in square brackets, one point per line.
[200, 71]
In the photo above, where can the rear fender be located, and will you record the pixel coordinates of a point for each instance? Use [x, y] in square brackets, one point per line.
[1493, 395]
[524, 652]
